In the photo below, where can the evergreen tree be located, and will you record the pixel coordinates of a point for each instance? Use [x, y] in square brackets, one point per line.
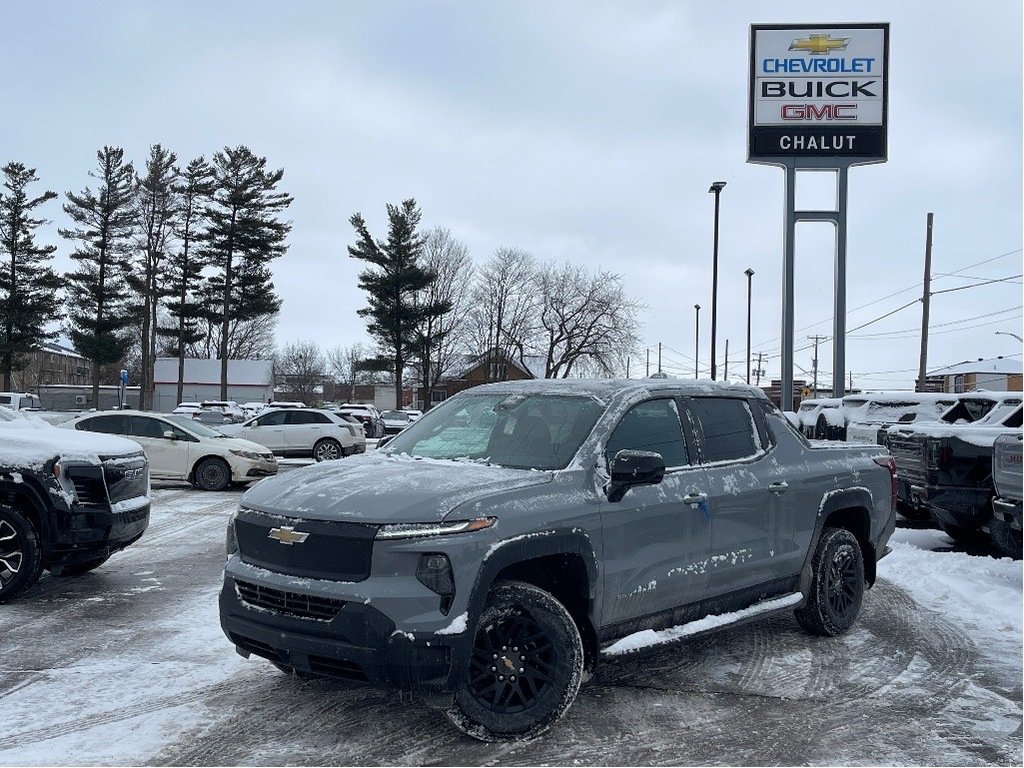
[395, 310]
[28, 285]
[184, 278]
[243, 234]
[156, 211]
[100, 309]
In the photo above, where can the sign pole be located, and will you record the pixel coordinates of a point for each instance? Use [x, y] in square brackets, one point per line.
[839, 316]
[788, 288]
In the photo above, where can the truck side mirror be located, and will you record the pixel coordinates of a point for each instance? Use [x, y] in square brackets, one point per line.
[633, 468]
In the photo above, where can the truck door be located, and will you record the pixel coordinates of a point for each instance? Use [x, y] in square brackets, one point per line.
[656, 538]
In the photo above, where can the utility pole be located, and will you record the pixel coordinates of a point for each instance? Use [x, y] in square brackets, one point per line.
[760, 371]
[648, 371]
[816, 339]
[627, 366]
[726, 376]
[659, 357]
[926, 296]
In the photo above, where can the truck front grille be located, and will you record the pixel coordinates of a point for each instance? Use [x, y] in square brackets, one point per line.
[330, 550]
[290, 603]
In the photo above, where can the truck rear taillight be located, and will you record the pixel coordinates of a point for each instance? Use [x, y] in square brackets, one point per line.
[889, 463]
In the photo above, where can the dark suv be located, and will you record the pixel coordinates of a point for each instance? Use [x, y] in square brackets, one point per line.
[68, 500]
[495, 545]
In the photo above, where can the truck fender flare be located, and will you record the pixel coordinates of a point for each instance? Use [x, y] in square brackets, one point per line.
[842, 498]
[510, 552]
[27, 492]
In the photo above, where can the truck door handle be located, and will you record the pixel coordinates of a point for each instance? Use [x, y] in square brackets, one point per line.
[695, 499]
[780, 487]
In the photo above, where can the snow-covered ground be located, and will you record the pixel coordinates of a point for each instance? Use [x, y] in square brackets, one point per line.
[128, 666]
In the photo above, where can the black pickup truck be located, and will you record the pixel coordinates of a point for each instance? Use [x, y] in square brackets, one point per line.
[945, 470]
[68, 500]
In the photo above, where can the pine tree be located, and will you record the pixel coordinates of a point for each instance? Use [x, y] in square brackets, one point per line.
[243, 234]
[394, 314]
[100, 307]
[184, 278]
[28, 285]
[156, 210]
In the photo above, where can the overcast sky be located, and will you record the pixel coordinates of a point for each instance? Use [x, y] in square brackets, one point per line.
[586, 132]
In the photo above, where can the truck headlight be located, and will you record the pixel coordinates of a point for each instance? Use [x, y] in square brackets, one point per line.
[231, 538]
[418, 530]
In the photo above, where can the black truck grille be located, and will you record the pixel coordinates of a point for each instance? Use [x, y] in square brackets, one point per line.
[331, 550]
[127, 478]
[291, 603]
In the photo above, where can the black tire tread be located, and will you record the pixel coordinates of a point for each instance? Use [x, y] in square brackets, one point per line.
[32, 554]
[197, 474]
[813, 616]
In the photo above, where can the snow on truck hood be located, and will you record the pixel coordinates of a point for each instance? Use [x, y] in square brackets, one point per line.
[33, 443]
[375, 488]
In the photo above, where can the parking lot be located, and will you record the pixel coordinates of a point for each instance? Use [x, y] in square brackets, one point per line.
[128, 665]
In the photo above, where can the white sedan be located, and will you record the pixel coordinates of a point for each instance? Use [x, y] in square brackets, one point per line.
[301, 433]
[179, 448]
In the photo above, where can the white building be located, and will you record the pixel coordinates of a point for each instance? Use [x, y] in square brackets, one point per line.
[248, 381]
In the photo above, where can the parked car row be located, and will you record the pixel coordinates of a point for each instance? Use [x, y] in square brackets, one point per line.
[946, 473]
[180, 448]
[302, 433]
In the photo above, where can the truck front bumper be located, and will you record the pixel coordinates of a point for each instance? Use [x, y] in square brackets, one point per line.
[359, 643]
[1007, 510]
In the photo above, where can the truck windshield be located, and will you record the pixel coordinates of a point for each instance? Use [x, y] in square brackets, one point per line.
[523, 431]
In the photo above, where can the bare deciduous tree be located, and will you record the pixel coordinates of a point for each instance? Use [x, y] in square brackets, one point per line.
[301, 367]
[585, 319]
[440, 336]
[504, 308]
[344, 364]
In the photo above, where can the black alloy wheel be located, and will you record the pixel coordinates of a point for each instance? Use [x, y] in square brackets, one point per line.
[837, 585]
[525, 667]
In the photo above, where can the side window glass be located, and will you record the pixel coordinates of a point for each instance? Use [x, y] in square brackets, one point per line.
[650, 426]
[727, 427]
[321, 418]
[274, 419]
[142, 426]
[111, 425]
[300, 417]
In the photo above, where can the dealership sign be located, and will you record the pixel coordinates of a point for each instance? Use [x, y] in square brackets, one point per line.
[818, 91]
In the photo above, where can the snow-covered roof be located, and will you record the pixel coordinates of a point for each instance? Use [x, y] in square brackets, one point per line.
[992, 365]
[198, 371]
[604, 389]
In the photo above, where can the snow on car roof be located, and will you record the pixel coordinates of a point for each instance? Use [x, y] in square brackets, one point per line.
[605, 389]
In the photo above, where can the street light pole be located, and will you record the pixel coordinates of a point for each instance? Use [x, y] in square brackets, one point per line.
[1009, 333]
[716, 190]
[749, 273]
[696, 344]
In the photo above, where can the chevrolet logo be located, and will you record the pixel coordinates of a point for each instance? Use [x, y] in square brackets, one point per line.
[819, 44]
[287, 535]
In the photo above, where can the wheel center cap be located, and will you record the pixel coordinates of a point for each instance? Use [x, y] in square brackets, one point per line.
[508, 663]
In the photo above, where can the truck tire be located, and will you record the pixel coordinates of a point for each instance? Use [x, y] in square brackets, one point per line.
[525, 667]
[837, 585]
[78, 569]
[212, 474]
[1007, 539]
[21, 558]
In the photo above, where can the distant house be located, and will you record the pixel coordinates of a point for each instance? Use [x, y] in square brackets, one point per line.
[248, 381]
[999, 374]
[52, 363]
[482, 369]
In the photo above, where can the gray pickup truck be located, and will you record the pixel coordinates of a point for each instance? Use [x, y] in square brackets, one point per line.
[490, 551]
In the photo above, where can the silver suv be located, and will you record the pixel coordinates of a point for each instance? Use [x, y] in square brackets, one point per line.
[493, 547]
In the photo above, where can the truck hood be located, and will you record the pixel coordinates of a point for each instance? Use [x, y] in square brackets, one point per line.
[33, 444]
[375, 488]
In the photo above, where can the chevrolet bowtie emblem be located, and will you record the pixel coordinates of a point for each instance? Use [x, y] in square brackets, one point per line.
[819, 44]
[288, 535]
